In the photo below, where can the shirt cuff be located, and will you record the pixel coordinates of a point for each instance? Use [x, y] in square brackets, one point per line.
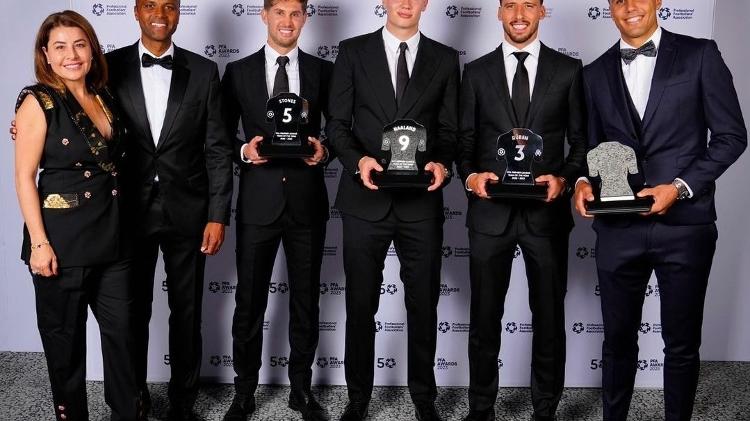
[690, 191]
[581, 179]
[242, 155]
[466, 184]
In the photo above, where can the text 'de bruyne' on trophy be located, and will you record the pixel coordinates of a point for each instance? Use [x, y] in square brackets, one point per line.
[402, 141]
[289, 113]
[612, 162]
[517, 151]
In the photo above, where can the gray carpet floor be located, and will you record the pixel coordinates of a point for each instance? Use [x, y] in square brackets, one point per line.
[723, 395]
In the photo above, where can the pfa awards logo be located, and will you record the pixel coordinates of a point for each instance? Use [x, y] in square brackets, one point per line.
[210, 50]
[238, 9]
[383, 362]
[279, 361]
[595, 12]
[511, 327]
[97, 9]
[389, 289]
[665, 13]
[310, 10]
[451, 11]
[578, 328]
[380, 11]
[444, 327]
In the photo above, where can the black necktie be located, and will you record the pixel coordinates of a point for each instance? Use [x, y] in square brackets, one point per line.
[402, 73]
[521, 95]
[148, 60]
[629, 54]
[281, 81]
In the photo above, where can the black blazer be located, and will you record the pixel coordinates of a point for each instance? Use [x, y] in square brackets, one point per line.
[691, 93]
[363, 101]
[556, 113]
[265, 190]
[193, 155]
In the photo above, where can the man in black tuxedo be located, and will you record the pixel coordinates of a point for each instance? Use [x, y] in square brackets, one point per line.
[522, 84]
[659, 93]
[293, 209]
[179, 182]
[393, 73]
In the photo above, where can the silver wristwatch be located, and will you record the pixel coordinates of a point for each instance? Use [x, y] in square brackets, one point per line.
[682, 189]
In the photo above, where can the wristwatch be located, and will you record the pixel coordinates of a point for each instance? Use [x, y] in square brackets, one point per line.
[682, 189]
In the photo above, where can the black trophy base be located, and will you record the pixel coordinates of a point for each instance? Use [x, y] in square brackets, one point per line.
[614, 207]
[498, 190]
[401, 180]
[270, 150]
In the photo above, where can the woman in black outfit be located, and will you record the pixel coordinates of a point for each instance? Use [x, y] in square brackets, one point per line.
[77, 255]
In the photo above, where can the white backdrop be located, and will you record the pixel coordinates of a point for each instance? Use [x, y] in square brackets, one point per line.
[226, 30]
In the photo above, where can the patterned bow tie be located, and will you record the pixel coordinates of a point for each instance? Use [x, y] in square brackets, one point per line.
[629, 54]
[149, 60]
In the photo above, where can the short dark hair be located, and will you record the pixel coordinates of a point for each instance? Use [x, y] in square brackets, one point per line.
[540, 2]
[97, 75]
[268, 4]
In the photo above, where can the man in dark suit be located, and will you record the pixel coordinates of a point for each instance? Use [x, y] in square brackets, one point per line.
[393, 73]
[294, 208]
[522, 84]
[179, 182]
[659, 93]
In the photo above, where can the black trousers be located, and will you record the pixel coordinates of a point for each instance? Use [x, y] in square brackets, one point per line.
[256, 252]
[681, 257]
[418, 246]
[184, 264]
[545, 258]
[61, 308]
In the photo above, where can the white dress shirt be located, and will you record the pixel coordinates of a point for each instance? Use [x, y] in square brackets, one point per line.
[531, 63]
[292, 69]
[392, 52]
[639, 73]
[156, 81]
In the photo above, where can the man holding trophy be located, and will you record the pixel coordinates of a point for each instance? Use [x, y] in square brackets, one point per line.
[279, 94]
[656, 94]
[518, 106]
[393, 100]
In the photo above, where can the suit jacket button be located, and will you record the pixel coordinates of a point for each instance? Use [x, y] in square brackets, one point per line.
[65, 141]
[78, 164]
[283, 179]
[114, 192]
[87, 195]
[87, 174]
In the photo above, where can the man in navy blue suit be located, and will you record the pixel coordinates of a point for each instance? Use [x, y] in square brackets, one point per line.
[659, 93]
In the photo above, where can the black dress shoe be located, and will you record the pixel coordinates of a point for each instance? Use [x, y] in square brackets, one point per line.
[143, 405]
[305, 403]
[425, 411]
[483, 415]
[241, 408]
[355, 411]
[543, 418]
[181, 413]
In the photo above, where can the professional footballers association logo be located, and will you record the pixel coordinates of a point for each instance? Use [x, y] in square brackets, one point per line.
[578, 328]
[447, 251]
[215, 360]
[378, 326]
[444, 327]
[642, 364]
[517, 252]
[665, 13]
[451, 11]
[310, 10]
[582, 252]
[97, 9]
[238, 9]
[323, 51]
[390, 362]
[511, 327]
[210, 50]
[595, 13]
[322, 362]
[214, 287]
[645, 328]
[380, 11]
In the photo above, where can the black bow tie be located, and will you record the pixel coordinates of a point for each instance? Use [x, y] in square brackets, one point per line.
[629, 54]
[148, 60]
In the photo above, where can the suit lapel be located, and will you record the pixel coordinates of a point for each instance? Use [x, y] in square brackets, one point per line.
[132, 79]
[425, 67]
[496, 76]
[546, 69]
[180, 77]
[375, 64]
[255, 76]
[620, 96]
[664, 62]
[308, 75]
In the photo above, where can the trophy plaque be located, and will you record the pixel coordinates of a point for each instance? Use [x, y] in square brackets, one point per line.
[289, 112]
[518, 149]
[403, 139]
[612, 162]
